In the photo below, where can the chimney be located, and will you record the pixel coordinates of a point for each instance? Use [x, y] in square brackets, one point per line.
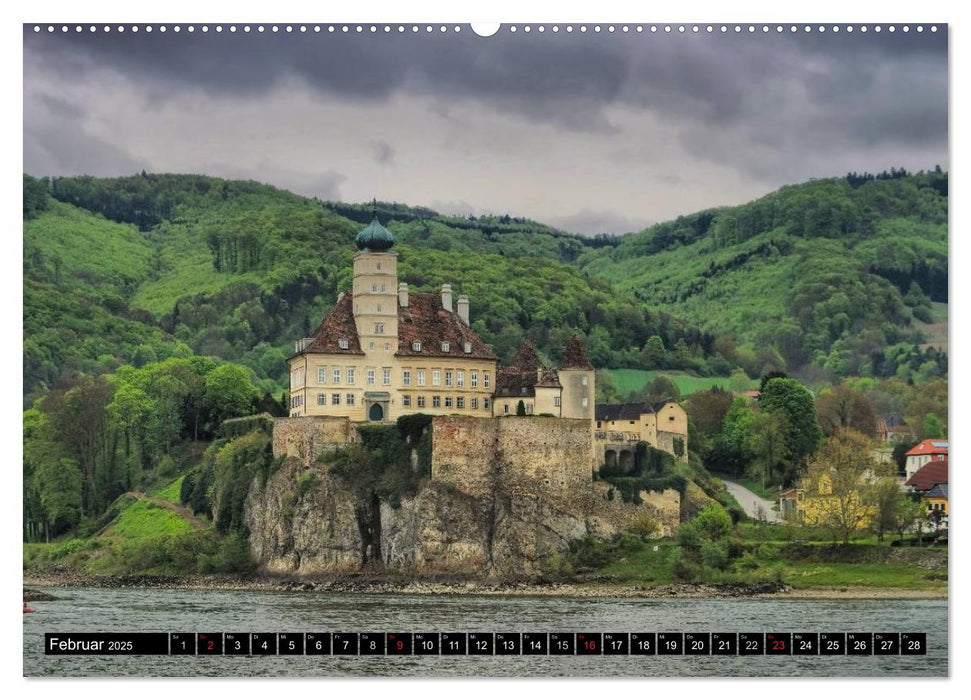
[463, 308]
[447, 296]
[403, 295]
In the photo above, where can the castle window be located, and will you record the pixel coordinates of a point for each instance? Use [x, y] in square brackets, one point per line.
[485, 379]
[321, 375]
[377, 265]
[475, 404]
[474, 377]
[505, 408]
[350, 399]
[460, 402]
[557, 401]
[444, 346]
[468, 348]
[583, 381]
[382, 287]
[350, 375]
[406, 401]
[436, 377]
[374, 287]
[406, 377]
[670, 417]
[421, 402]
[386, 376]
[379, 308]
[370, 377]
[337, 375]
[529, 409]
[436, 401]
[448, 377]
[387, 346]
[584, 401]
[522, 391]
[343, 344]
[370, 346]
[335, 399]
[448, 402]
[421, 377]
[416, 345]
[378, 328]
[485, 404]
[460, 378]
[321, 399]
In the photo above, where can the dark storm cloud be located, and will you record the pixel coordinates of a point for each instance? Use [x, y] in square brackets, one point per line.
[637, 118]
[566, 79]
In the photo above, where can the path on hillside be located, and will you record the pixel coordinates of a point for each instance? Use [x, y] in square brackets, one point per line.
[181, 511]
[753, 505]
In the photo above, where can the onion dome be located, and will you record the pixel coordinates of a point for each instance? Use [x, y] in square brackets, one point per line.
[374, 238]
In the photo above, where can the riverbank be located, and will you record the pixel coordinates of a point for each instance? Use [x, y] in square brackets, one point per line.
[583, 589]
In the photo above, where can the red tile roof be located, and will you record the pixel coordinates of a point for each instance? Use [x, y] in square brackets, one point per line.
[928, 447]
[339, 323]
[423, 320]
[575, 357]
[929, 476]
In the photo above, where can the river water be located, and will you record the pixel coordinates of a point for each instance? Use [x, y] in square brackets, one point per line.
[163, 610]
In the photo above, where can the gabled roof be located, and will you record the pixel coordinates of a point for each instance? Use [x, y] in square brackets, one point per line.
[425, 320]
[928, 476]
[550, 379]
[627, 411]
[574, 356]
[939, 491]
[338, 324]
[928, 447]
[526, 359]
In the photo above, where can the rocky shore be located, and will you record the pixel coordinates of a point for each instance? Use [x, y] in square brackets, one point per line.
[599, 587]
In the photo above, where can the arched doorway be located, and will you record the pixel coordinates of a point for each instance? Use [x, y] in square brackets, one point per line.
[376, 413]
[610, 458]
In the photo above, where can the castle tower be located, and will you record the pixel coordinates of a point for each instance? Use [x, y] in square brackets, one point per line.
[376, 292]
[577, 378]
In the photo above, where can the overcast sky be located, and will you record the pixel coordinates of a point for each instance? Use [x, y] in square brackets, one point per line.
[589, 132]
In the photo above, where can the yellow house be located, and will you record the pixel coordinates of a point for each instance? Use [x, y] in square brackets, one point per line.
[566, 391]
[383, 352]
[936, 500]
[620, 426]
[809, 504]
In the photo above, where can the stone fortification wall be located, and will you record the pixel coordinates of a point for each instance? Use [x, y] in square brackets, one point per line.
[520, 456]
[306, 437]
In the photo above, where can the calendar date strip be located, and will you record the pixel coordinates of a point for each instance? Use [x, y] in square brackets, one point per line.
[485, 643]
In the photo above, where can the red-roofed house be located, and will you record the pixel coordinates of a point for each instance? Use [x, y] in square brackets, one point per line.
[923, 452]
[929, 476]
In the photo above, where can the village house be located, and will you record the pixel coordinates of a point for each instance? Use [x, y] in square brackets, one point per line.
[383, 352]
[923, 452]
[930, 481]
[620, 426]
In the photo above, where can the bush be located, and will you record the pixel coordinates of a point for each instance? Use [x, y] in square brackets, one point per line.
[713, 522]
[714, 554]
[645, 526]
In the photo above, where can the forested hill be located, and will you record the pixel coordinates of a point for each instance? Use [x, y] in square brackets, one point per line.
[844, 274]
[138, 269]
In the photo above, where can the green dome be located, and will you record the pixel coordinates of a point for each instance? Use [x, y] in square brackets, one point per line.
[374, 237]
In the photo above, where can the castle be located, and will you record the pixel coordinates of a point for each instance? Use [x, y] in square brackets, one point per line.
[383, 352]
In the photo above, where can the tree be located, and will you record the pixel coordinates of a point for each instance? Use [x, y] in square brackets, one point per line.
[908, 514]
[765, 440]
[793, 402]
[886, 496]
[933, 429]
[521, 408]
[59, 485]
[844, 407]
[229, 392]
[839, 482]
[661, 388]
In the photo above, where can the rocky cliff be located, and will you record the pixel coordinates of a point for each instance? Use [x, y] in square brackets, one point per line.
[307, 521]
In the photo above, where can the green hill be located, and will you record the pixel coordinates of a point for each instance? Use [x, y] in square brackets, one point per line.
[829, 272]
[848, 275]
[238, 270]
